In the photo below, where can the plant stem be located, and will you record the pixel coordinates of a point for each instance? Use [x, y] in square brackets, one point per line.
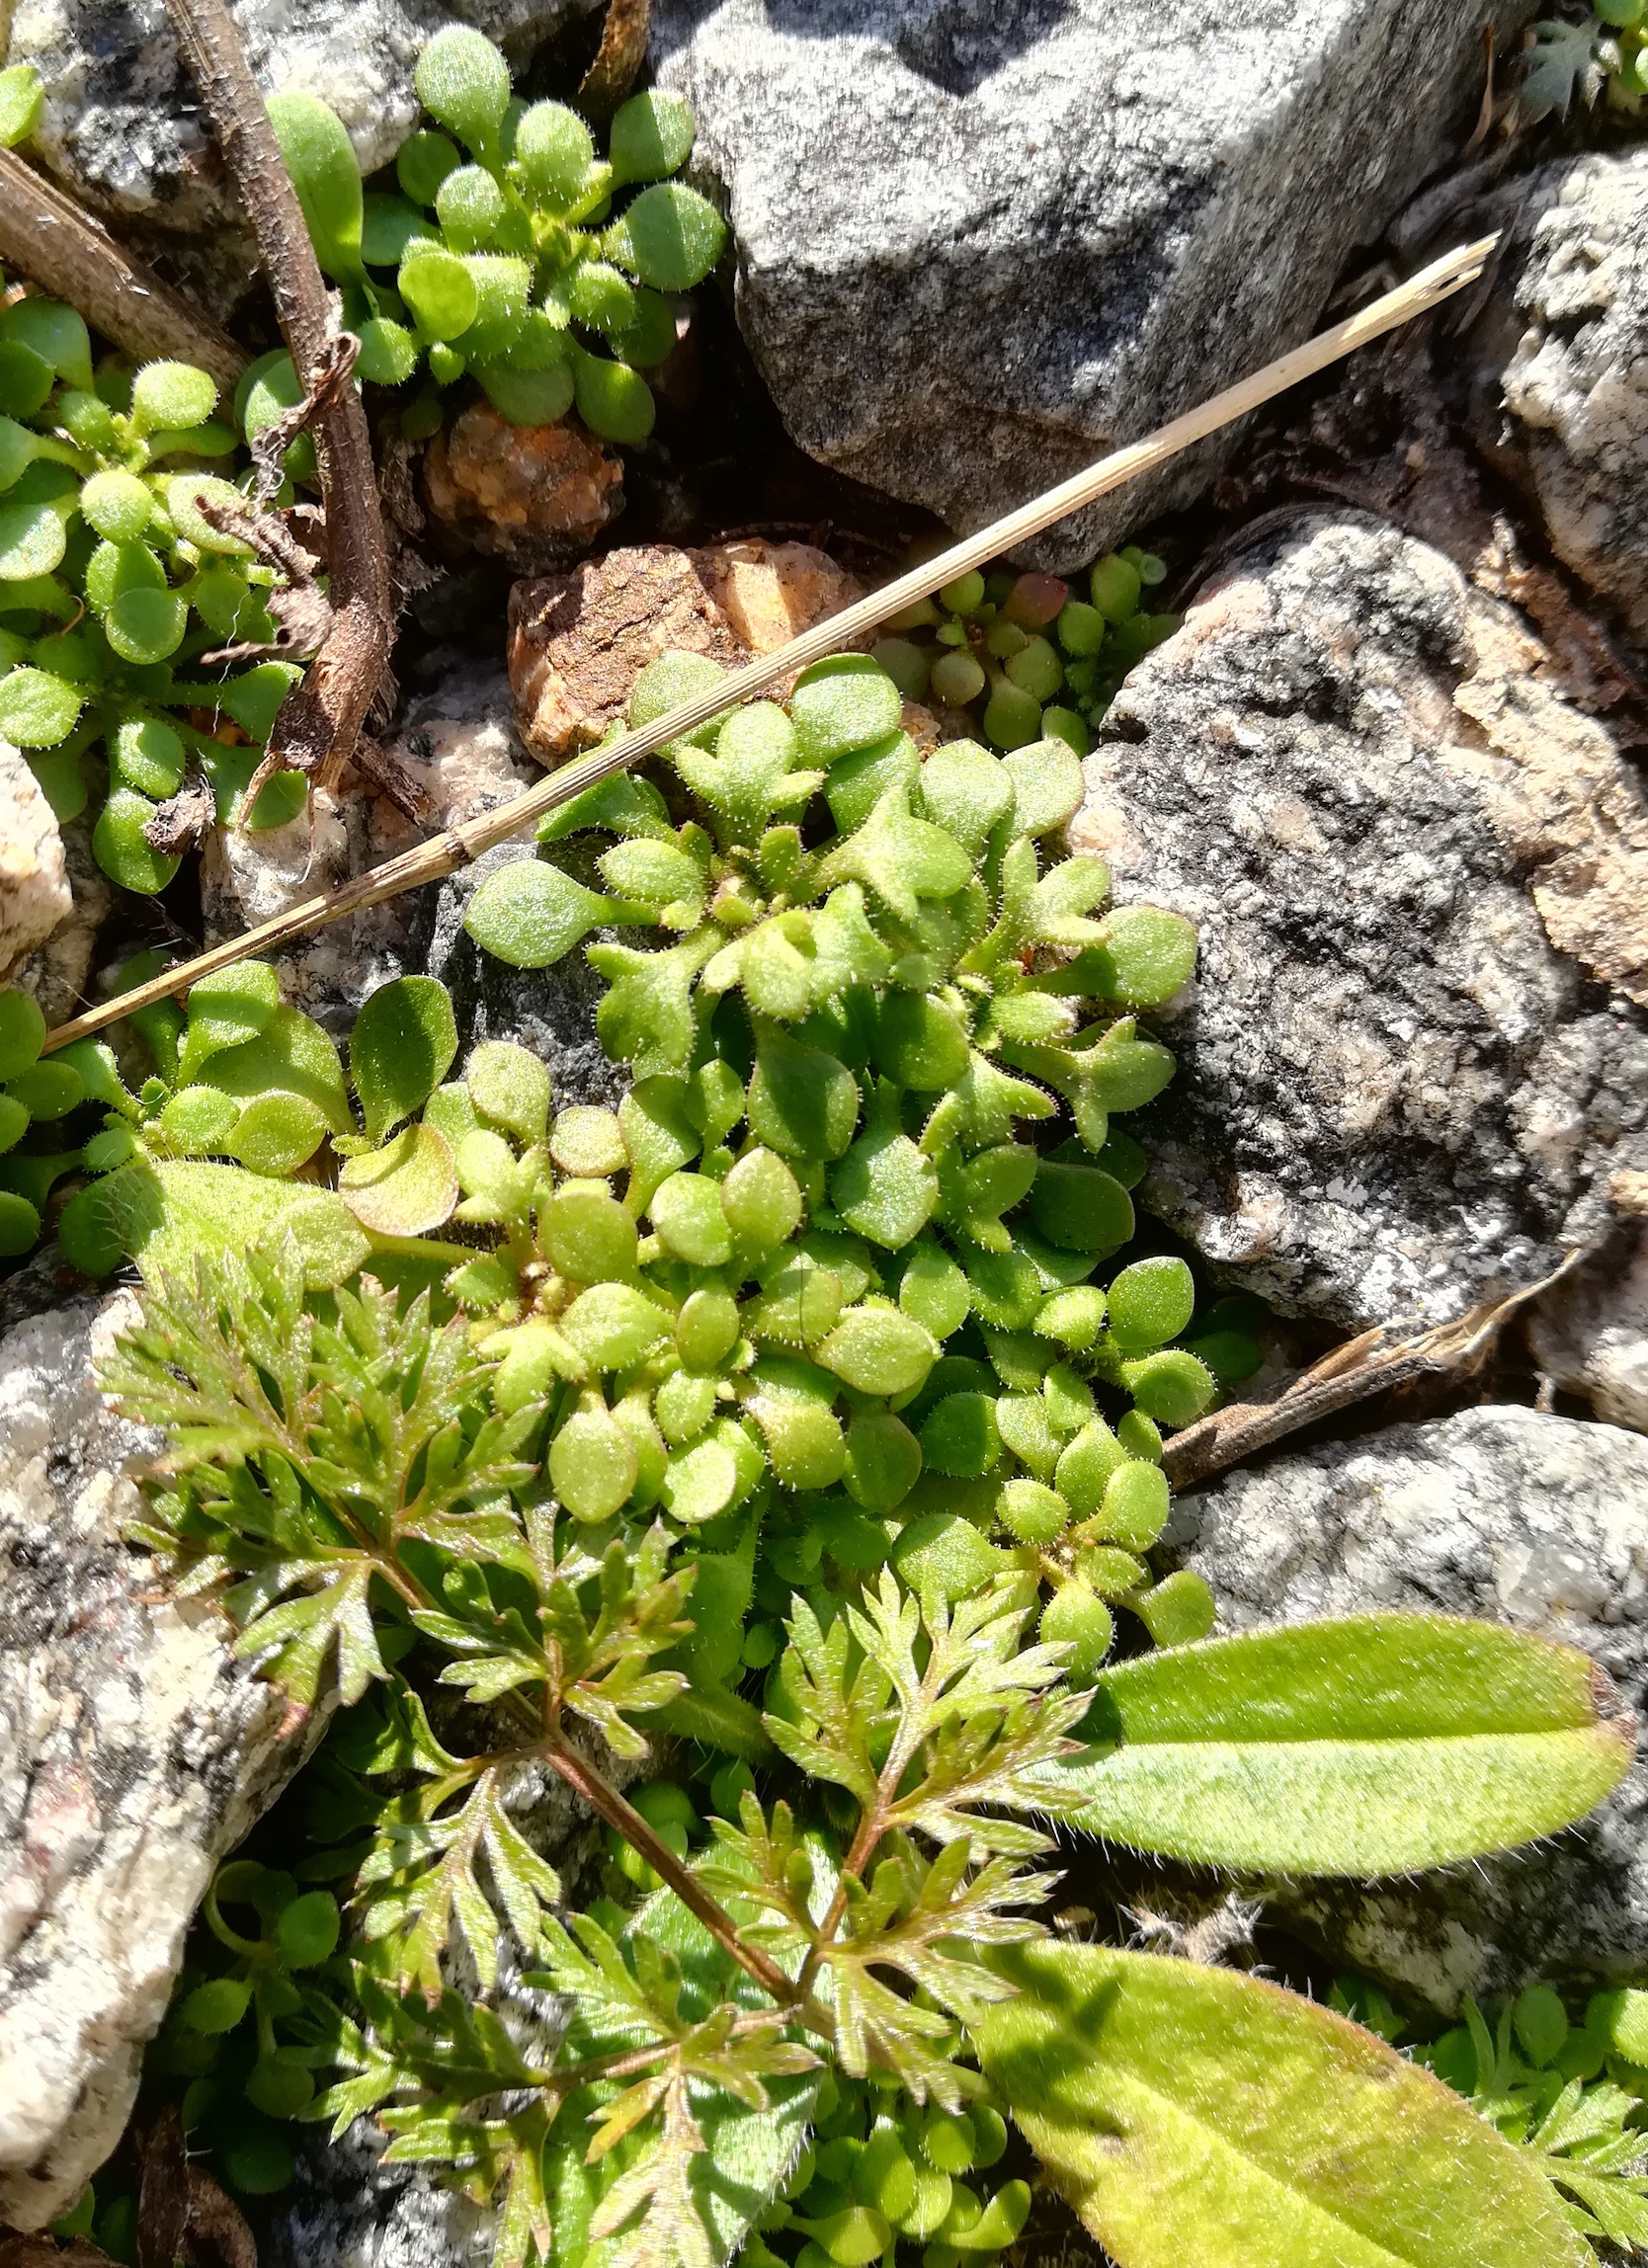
[66, 252]
[320, 719]
[582, 1777]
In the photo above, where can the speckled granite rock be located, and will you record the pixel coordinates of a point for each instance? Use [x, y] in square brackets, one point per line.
[1536, 1521]
[977, 245]
[1576, 389]
[1590, 1332]
[34, 882]
[134, 1754]
[1415, 1054]
[121, 125]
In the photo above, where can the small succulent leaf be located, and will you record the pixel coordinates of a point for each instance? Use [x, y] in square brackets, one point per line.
[1366, 1747]
[403, 1044]
[1192, 2113]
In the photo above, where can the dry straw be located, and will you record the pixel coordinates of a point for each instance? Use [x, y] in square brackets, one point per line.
[445, 854]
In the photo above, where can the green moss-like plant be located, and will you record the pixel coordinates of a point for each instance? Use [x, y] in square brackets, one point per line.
[518, 257]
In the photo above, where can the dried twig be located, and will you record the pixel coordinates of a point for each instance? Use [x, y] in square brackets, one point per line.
[431, 861]
[1390, 1355]
[315, 729]
[62, 250]
[621, 53]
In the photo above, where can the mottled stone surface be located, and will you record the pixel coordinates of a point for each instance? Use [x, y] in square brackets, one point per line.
[1590, 1332]
[1539, 1522]
[978, 244]
[1415, 1054]
[33, 881]
[1576, 389]
[537, 496]
[133, 1754]
[122, 123]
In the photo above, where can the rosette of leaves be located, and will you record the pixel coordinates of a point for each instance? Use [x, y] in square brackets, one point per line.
[862, 1930]
[879, 1012]
[1036, 660]
[509, 251]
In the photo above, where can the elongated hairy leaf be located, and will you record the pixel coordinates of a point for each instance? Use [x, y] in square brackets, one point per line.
[1193, 2115]
[1365, 1746]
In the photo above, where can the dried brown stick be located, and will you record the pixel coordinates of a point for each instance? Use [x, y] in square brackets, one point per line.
[1390, 1355]
[621, 53]
[316, 726]
[47, 238]
[441, 856]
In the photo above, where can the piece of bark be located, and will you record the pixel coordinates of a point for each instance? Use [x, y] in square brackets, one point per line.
[578, 641]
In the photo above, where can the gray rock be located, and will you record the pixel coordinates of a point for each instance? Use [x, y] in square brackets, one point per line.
[1576, 389]
[34, 883]
[980, 244]
[1415, 1054]
[121, 125]
[1589, 1333]
[1534, 1521]
[134, 1754]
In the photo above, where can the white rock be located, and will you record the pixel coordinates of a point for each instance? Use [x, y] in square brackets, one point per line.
[133, 1754]
[33, 880]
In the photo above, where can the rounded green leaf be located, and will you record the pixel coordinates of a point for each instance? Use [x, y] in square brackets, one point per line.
[54, 331]
[762, 1200]
[587, 1235]
[462, 81]
[612, 400]
[944, 1553]
[185, 492]
[119, 845]
[843, 704]
[403, 1044]
[1080, 1208]
[439, 290]
[1134, 1507]
[218, 2005]
[1150, 1302]
[1172, 1387]
[307, 1931]
[32, 541]
[145, 626]
[1074, 1617]
[199, 1120]
[19, 1223]
[172, 394]
[277, 1133]
[652, 136]
[934, 1290]
[686, 1214]
[883, 1460]
[706, 1328]
[919, 1042]
[553, 151]
[1195, 2114]
[22, 1031]
[510, 1086]
[587, 1141]
[528, 398]
[614, 1327]
[406, 1187]
[671, 236]
[146, 755]
[530, 913]
[1362, 1747]
[593, 1465]
[118, 504]
[1031, 1512]
[48, 1090]
[878, 1350]
[423, 163]
[22, 96]
[804, 1103]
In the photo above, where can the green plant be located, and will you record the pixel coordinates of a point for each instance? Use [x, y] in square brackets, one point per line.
[234, 2033]
[1573, 2095]
[1604, 55]
[349, 1463]
[31, 1093]
[798, 1446]
[1035, 660]
[116, 580]
[511, 264]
